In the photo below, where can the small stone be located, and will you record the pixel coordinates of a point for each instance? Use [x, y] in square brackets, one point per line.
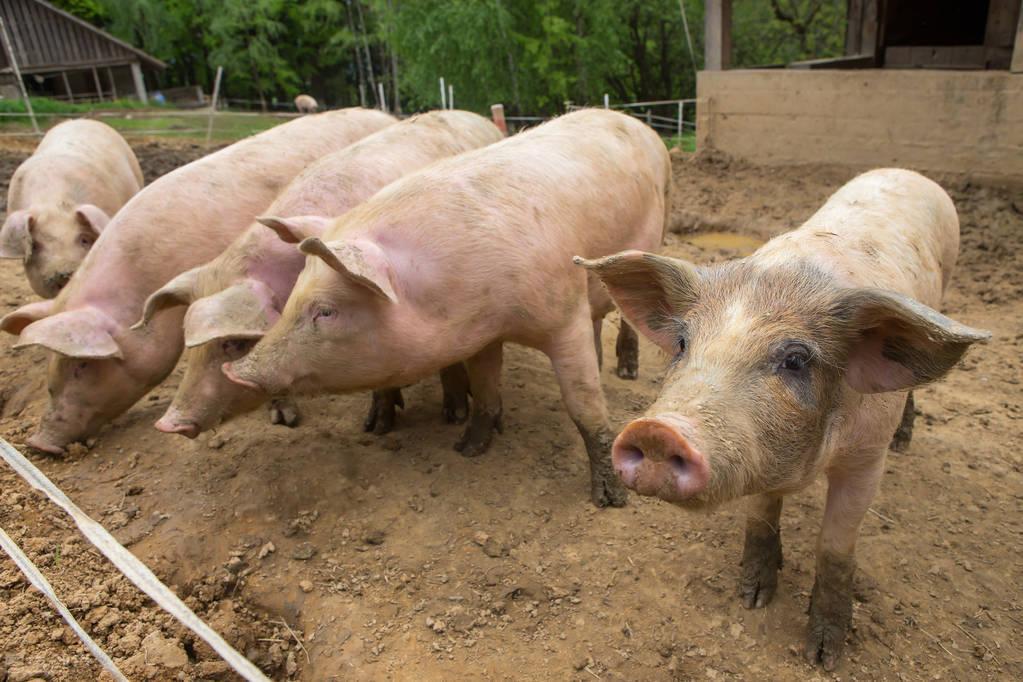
[134, 490]
[304, 552]
[291, 666]
[165, 652]
[480, 538]
[375, 537]
[265, 550]
[217, 442]
[57, 634]
[736, 630]
[439, 626]
[306, 586]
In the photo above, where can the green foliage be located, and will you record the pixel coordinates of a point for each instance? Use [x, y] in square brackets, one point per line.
[45, 105]
[533, 55]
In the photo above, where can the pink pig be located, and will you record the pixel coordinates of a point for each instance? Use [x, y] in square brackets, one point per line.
[449, 263]
[794, 363]
[233, 299]
[62, 197]
[99, 366]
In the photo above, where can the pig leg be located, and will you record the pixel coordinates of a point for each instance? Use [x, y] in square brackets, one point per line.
[627, 350]
[455, 382]
[575, 365]
[904, 434]
[485, 383]
[850, 492]
[284, 411]
[598, 328]
[380, 419]
[761, 555]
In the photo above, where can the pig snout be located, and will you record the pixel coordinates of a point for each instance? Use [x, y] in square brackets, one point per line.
[232, 373]
[172, 422]
[657, 456]
[38, 441]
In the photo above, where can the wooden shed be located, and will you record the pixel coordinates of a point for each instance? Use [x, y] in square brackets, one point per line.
[63, 56]
[930, 84]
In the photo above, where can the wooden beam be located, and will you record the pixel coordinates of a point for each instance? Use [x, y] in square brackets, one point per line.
[854, 27]
[1002, 18]
[140, 83]
[99, 86]
[717, 35]
[67, 87]
[113, 83]
[1017, 52]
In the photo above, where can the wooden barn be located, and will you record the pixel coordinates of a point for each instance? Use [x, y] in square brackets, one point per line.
[929, 84]
[62, 56]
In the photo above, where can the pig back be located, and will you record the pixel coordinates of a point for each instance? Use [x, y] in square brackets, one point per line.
[79, 161]
[888, 228]
[190, 215]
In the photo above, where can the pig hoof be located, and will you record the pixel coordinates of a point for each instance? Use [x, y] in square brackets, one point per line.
[479, 434]
[628, 372]
[761, 560]
[456, 411]
[284, 413]
[383, 411]
[830, 617]
[608, 491]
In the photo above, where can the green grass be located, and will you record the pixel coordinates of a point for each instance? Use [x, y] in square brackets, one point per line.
[45, 105]
[687, 141]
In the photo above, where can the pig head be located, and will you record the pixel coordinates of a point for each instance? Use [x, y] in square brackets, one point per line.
[51, 242]
[769, 365]
[346, 291]
[98, 368]
[222, 327]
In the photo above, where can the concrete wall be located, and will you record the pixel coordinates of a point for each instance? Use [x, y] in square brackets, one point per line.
[948, 121]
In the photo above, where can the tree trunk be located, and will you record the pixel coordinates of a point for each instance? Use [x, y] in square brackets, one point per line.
[369, 57]
[512, 67]
[358, 55]
[394, 57]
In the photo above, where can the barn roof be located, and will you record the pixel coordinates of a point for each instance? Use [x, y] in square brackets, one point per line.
[45, 39]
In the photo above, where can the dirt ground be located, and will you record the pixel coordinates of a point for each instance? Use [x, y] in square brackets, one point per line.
[324, 553]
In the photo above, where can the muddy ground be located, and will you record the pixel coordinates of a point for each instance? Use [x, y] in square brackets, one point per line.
[323, 553]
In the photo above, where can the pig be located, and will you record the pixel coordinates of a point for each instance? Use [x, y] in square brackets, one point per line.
[62, 197]
[233, 299]
[450, 262]
[793, 363]
[306, 104]
[98, 366]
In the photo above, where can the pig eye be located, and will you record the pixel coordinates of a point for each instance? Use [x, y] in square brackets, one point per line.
[796, 359]
[85, 240]
[682, 346]
[323, 312]
[235, 348]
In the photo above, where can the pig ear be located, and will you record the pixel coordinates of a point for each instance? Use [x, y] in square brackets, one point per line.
[85, 333]
[243, 311]
[362, 262]
[16, 235]
[14, 322]
[650, 290]
[294, 230]
[91, 218]
[897, 343]
[178, 291]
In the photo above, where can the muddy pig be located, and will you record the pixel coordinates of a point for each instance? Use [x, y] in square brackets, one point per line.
[62, 197]
[233, 299]
[448, 263]
[794, 363]
[98, 366]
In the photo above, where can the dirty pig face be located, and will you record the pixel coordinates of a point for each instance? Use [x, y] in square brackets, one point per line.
[84, 395]
[762, 358]
[749, 394]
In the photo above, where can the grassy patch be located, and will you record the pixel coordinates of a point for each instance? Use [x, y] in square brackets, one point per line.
[45, 105]
[687, 141]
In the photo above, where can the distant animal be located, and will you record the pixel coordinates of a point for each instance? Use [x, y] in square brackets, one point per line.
[306, 104]
[62, 197]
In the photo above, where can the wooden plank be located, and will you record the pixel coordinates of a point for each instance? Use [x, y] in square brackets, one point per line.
[717, 35]
[1016, 66]
[67, 87]
[854, 61]
[854, 27]
[936, 57]
[1002, 19]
